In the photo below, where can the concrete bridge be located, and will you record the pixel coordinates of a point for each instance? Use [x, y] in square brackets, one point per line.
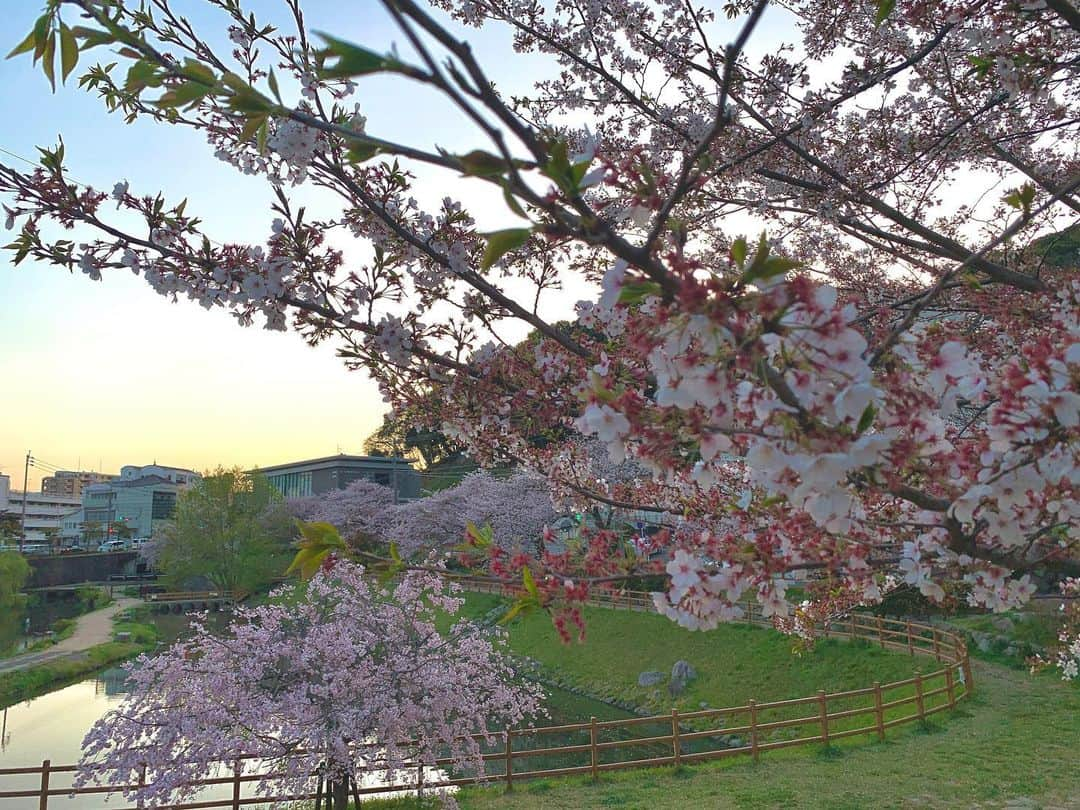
[57, 570]
[185, 601]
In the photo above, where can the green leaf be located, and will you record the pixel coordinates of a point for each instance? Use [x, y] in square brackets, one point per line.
[183, 95]
[884, 9]
[41, 35]
[91, 37]
[482, 537]
[558, 169]
[247, 100]
[634, 292]
[479, 163]
[502, 242]
[522, 607]
[361, 151]
[764, 266]
[140, 75]
[738, 251]
[511, 201]
[26, 45]
[69, 52]
[271, 79]
[529, 583]
[319, 540]
[395, 555]
[197, 71]
[352, 60]
[48, 61]
[1022, 198]
[867, 418]
[252, 126]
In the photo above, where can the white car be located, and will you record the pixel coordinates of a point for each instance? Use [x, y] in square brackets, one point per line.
[112, 545]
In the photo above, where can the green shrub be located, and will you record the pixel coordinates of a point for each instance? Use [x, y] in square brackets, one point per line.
[92, 598]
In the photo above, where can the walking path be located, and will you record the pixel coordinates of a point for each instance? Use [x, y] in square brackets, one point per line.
[92, 629]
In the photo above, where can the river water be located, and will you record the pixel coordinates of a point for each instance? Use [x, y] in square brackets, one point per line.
[52, 727]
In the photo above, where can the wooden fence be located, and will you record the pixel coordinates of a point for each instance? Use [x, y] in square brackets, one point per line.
[593, 747]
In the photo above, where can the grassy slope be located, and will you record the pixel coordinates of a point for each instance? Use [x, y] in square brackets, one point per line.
[1018, 737]
[734, 662]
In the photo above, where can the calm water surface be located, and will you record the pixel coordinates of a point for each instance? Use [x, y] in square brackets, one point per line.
[52, 727]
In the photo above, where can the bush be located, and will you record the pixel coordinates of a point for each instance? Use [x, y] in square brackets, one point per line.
[92, 598]
[14, 571]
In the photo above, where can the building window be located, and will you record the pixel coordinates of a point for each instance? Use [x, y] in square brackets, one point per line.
[292, 485]
[163, 505]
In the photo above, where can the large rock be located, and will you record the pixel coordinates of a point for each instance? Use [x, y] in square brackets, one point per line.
[650, 678]
[1003, 623]
[682, 671]
[676, 686]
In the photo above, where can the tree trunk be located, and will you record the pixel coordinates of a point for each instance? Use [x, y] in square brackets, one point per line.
[339, 794]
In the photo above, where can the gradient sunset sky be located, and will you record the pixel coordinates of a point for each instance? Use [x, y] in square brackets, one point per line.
[98, 375]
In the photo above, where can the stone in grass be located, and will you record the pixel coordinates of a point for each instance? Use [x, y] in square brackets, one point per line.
[676, 686]
[1003, 623]
[650, 678]
[682, 671]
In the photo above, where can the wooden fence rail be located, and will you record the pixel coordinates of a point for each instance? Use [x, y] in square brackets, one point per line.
[594, 747]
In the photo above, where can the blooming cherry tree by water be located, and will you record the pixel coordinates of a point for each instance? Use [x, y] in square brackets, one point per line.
[346, 680]
[885, 382]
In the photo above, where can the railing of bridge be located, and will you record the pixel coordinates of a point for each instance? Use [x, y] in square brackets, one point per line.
[593, 747]
[194, 596]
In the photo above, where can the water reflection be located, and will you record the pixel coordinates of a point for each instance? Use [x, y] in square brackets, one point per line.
[52, 727]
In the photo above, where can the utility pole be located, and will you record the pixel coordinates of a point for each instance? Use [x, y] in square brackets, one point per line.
[25, 480]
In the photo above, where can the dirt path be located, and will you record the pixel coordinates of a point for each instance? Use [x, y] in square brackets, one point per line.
[92, 629]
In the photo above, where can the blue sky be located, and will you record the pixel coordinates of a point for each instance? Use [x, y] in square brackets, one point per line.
[106, 374]
[110, 373]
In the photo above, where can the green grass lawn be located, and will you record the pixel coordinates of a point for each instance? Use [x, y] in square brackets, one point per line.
[735, 663]
[1018, 737]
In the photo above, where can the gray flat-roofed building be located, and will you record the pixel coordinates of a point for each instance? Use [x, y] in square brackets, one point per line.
[318, 475]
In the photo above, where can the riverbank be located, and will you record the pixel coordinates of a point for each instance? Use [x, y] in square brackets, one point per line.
[91, 647]
[1012, 745]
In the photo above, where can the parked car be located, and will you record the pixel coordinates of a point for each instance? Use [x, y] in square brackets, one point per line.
[112, 545]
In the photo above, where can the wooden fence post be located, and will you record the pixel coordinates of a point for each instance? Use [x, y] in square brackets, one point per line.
[594, 754]
[753, 730]
[236, 785]
[920, 704]
[950, 690]
[880, 633]
[823, 708]
[910, 643]
[142, 782]
[509, 761]
[675, 744]
[419, 778]
[851, 632]
[879, 714]
[43, 801]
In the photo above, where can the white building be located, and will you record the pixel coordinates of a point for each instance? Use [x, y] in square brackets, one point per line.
[44, 513]
[141, 499]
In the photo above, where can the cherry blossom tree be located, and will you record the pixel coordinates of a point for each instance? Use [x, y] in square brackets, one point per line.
[884, 382]
[517, 508]
[348, 680]
[355, 510]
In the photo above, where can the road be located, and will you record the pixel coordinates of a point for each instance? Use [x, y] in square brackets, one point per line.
[92, 629]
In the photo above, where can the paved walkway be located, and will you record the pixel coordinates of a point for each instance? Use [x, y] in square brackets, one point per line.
[92, 629]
